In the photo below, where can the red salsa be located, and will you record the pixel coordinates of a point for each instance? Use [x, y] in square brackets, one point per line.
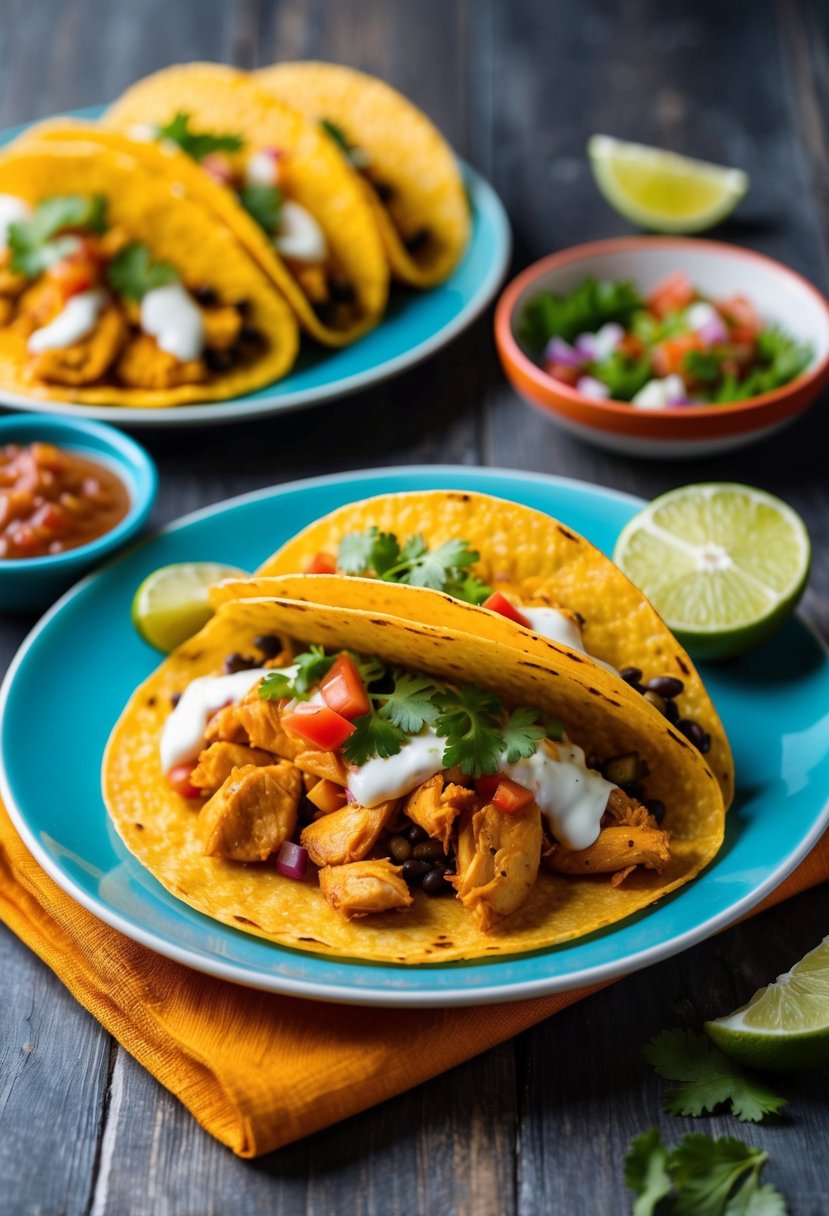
[52, 500]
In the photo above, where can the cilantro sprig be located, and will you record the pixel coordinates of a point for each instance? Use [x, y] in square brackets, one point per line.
[583, 310]
[132, 272]
[311, 667]
[377, 554]
[197, 145]
[35, 243]
[708, 1078]
[263, 204]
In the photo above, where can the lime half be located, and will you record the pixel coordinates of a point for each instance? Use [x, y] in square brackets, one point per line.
[661, 190]
[172, 603]
[724, 564]
[784, 1027]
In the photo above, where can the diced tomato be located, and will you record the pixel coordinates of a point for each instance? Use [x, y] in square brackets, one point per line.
[631, 347]
[321, 563]
[563, 372]
[510, 797]
[218, 167]
[741, 318]
[672, 294]
[178, 779]
[319, 725]
[74, 275]
[343, 689]
[49, 515]
[669, 356]
[327, 796]
[486, 786]
[500, 604]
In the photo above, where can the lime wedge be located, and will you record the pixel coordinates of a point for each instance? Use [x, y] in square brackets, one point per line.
[663, 191]
[785, 1026]
[172, 604]
[724, 564]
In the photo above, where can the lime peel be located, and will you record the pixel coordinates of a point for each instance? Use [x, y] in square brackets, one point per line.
[172, 603]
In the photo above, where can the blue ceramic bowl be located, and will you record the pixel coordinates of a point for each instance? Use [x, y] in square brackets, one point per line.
[35, 582]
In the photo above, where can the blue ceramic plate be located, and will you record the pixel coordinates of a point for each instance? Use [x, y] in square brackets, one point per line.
[76, 670]
[415, 325]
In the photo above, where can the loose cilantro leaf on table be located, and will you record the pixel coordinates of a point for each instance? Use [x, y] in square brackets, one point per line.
[32, 242]
[646, 1171]
[708, 1078]
[584, 310]
[263, 204]
[380, 554]
[177, 130]
[133, 273]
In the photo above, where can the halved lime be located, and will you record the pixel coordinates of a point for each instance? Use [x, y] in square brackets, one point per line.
[172, 604]
[661, 190]
[723, 563]
[785, 1026]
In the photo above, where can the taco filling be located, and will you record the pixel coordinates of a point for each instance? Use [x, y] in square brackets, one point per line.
[384, 780]
[93, 307]
[262, 182]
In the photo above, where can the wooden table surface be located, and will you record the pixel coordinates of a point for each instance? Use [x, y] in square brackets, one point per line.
[540, 1124]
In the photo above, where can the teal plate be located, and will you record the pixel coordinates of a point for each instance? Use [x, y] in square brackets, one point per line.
[74, 673]
[415, 326]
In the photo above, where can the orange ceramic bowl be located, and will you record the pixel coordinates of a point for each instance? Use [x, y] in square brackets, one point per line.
[780, 296]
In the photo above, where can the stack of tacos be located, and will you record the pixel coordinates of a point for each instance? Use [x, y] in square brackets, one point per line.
[378, 769]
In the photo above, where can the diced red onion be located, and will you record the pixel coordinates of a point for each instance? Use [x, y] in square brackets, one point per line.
[607, 339]
[675, 391]
[589, 386]
[292, 860]
[713, 331]
[349, 797]
[559, 351]
[585, 344]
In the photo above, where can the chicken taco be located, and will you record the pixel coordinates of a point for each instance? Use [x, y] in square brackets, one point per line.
[115, 291]
[345, 782]
[274, 178]
[409, 172]
[507, 565]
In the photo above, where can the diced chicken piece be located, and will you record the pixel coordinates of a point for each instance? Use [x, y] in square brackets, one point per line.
[498, 858]
[11, 285]
[435, 805]
[346, 835]
[621, 808]
[37, 306]
[328, 765]
[364, 887]
[253, 813]
[261, 721]
[84, 362]
[143, 364]
[111, 242]
[6, 309]
[616, 848]
[226, 726]
[218, 761]
[221, 327]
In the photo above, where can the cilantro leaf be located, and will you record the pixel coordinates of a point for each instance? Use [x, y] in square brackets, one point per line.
[381, 555]
[468, 720]
[31, 242]
[177, 130]
[708, 1078]
[335, 132]
[132, 273]
[706, 1171]
[354, 551]
[374, 736]
[385, 553]
[622, 375]
[312, 665]
[411, 705]
[263, 204]
[584, 310]
[521, 734]
[470, 589]
[646, 1171]
[275, 686]
[371, 670]
[756, 1198]
[430, 569]
[703, 365]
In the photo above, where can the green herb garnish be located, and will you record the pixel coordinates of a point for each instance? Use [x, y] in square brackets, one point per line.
[584, 310]
[264, 204]
[622, 375]
[177, 130]
[376, 554]
[132, 272]
[335, 131]
[470, 721]
[34, 243]
[708, 1078]
[703, 366]
[312, 665]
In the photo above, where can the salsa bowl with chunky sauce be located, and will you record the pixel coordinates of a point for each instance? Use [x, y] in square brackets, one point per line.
[71, 493]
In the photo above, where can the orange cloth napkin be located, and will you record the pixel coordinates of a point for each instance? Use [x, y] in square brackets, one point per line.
[256, 1070]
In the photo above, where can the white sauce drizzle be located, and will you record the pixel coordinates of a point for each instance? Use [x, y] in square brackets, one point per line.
[169, 315]
[379, 779]
[263, 168]
[75, 321]
[12, 211]
[300, 236]
[560, 628]
[182, 737]
[571, 797]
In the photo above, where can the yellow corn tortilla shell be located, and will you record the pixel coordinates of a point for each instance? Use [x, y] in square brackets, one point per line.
[223, 101]
[159, 827]
[406, 151]
[176, 230]
[539, 554]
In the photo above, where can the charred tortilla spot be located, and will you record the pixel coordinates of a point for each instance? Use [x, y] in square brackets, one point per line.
[682, 665]
[569, 535]
[316, 940]
[244, 920]
[139, 827]
[441, 945]
[150, 702]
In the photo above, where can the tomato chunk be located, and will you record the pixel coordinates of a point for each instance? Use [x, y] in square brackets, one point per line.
[327, 796]
[510, 797]
[741, 318]
[178, 779]
[322, 563]
[343, 689]
[319, 725]
[669, 356]
[486, 786]
[672, 294]
[563, 372]
[500, 604]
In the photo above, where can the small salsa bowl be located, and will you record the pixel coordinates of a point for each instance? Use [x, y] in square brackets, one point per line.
[780, 296]
[34, 582]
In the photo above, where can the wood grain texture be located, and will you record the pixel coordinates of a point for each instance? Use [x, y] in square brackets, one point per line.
[539, 1125]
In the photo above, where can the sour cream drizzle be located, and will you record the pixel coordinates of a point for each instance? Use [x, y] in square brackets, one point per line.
[12, 211]
[170, 315]
[74, 322]
[183, 734]
[559, 627]
[299, 236]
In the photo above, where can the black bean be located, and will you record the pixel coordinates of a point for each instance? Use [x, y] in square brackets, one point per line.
[400, 849]
[693, 732]
[218, 360]
[633, 789]
[415, 871]
[631, 675]
[666, 686]
[593, 761]
[269, 644]
[239, 662]
[671, 711]
[705, 746]
[417, 240]
[655, 700]
[242, 307]
[384, 192]
[206, 296]
[251, 336]
[416, 833]
[428, 850]
[341, 291]
[657, 808]
[435, 884]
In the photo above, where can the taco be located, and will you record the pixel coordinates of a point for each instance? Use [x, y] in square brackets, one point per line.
[503, 559]
[274, 178]
[409, 171]
[115, 291]
[344, 782]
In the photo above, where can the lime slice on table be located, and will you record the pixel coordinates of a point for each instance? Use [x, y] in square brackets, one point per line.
[785, 1026]
[662, 190]
[724, 564]
[172, 603]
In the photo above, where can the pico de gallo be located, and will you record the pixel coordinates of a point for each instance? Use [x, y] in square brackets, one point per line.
[670, 347]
